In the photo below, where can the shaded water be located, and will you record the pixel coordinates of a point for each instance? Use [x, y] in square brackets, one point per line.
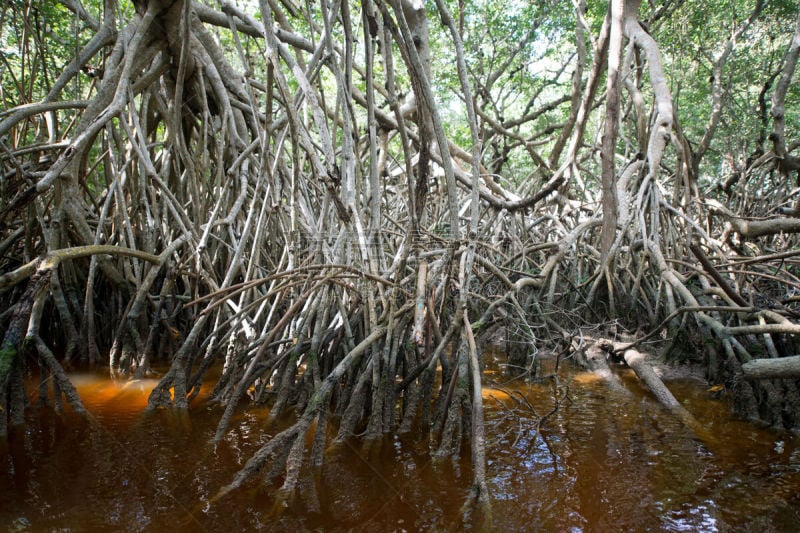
[605, 461]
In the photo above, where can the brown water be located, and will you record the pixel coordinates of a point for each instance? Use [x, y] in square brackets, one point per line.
[606, 461]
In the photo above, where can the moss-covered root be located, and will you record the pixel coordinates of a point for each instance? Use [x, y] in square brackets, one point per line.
[19, 323]
[9, 349]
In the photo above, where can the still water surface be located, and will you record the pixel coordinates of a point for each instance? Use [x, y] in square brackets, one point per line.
[606, 461]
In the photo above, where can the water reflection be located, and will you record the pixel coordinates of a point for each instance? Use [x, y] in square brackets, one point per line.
[606, 460]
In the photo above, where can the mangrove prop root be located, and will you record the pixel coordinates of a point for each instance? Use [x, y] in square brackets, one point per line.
[303, 219]
[782, 368]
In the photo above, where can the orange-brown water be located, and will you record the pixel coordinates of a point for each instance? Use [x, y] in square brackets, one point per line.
[606, 461]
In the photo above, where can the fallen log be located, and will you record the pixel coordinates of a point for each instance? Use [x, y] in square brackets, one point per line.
[638, 362]
[783, 367]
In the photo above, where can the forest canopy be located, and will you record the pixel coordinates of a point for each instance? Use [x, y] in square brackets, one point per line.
[337, 205]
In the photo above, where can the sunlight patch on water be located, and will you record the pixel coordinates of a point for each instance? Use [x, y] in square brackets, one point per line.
[586, 378]
[488, 393]
[118, 398]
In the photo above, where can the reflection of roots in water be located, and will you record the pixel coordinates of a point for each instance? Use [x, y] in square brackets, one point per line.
[516, 413]
[609, 461]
